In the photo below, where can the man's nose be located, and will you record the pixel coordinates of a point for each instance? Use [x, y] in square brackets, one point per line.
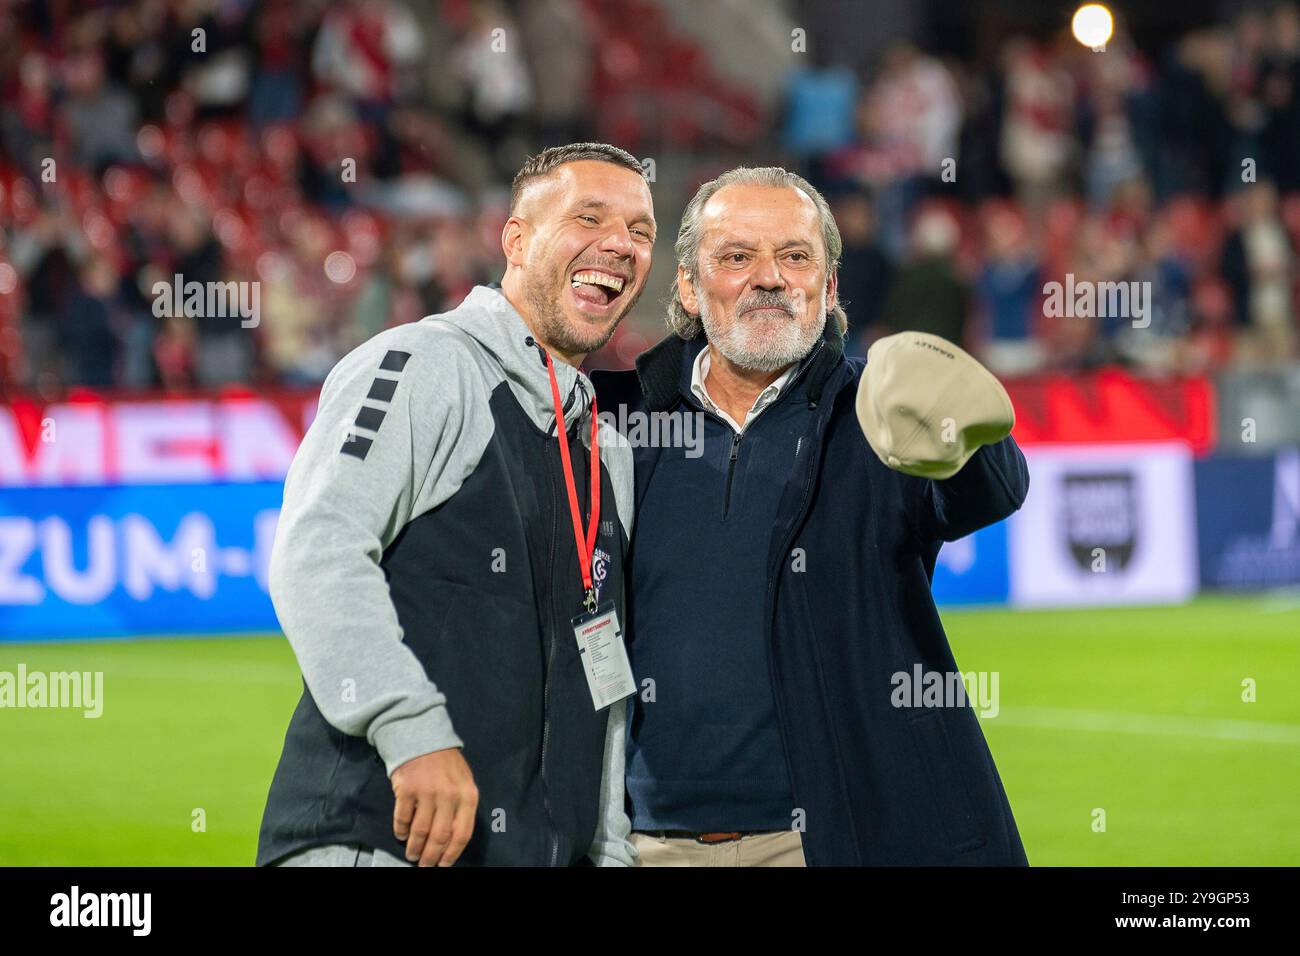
[766, 274]
[617, 241]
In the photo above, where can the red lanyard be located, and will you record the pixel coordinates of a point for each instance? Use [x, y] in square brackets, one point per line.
[587, 545]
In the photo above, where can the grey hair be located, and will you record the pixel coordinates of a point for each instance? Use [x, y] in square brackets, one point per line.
[690, 233]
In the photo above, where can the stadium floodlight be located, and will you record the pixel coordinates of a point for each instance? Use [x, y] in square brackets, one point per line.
[1092, 25]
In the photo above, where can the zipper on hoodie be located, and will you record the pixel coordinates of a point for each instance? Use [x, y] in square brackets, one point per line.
[549, 584]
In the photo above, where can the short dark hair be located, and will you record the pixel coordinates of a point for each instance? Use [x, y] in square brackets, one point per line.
[535, 167]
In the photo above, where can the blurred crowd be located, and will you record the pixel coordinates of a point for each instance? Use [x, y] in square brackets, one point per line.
[353, 159]
[963, 191]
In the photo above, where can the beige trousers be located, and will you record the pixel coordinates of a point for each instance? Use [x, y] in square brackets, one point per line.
[784, 848]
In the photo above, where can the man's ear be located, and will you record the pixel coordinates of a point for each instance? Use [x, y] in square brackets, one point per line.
[514, 238]
[832, 291]
[686, 292]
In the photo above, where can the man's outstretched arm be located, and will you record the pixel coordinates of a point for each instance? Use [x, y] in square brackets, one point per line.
[990, 486]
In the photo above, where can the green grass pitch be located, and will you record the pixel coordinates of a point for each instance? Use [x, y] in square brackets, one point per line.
[1136, 712]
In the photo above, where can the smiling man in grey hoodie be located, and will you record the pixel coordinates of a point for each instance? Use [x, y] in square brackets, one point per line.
[443, 555]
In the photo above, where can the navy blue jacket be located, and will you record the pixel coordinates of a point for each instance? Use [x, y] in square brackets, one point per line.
[878, 784]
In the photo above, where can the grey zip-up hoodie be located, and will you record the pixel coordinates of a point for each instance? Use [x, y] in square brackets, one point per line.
[424, 571]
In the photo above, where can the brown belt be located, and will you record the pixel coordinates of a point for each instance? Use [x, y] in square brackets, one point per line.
[724, 836]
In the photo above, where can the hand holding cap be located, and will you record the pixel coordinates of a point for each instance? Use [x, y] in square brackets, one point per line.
[926, 405]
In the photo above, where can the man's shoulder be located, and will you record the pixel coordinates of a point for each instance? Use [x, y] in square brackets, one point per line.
[436, 332]
[431, 345]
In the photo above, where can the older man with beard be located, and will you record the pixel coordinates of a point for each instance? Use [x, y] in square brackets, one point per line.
[778, 581]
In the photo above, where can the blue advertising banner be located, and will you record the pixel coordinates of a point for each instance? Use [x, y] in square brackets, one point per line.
[127, 560]
[107, 561]
[973, 569]
[1248, 521]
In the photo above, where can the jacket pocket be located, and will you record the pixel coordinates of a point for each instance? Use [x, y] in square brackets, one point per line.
[948, 788]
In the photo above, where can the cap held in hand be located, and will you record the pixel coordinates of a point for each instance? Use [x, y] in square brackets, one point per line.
[926, 406]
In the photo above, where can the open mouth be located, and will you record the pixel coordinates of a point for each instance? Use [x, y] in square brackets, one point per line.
[593, 287]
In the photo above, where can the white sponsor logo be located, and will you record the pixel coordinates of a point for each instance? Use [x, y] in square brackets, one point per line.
[129, 552]
[151, 442]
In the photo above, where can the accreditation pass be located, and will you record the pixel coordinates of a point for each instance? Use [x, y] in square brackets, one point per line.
[600, 644]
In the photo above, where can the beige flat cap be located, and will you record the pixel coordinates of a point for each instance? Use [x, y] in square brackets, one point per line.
[926, 406]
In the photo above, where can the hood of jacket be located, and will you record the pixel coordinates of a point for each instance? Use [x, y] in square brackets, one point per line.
[487, 316]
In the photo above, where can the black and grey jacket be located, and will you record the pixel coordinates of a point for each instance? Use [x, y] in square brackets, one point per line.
[425, 570]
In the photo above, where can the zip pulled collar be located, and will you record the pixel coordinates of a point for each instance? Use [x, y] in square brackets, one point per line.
[579, 392]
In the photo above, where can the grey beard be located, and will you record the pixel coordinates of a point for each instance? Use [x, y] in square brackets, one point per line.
[738, 345]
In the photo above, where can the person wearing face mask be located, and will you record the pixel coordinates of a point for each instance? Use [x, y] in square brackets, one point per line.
[448, 564]
[780, 580]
